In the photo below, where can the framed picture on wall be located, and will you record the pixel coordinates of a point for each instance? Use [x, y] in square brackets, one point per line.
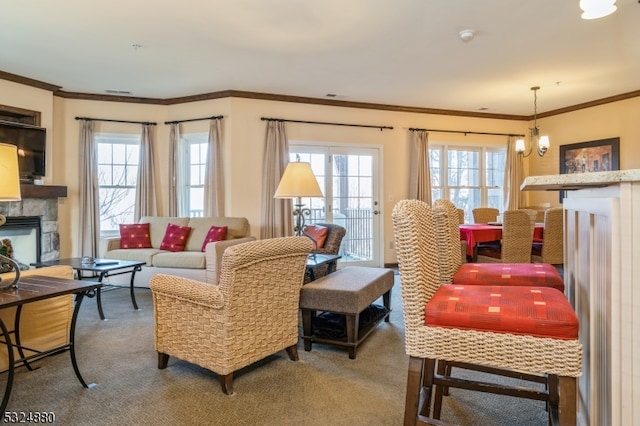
[587, 157]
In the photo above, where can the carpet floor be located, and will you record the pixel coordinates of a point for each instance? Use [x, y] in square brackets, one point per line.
[324, 387]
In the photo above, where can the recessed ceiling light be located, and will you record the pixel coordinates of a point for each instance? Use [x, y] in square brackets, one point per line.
[467, 35]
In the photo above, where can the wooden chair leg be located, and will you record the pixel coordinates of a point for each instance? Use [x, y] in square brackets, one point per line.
[163, 360]
[568, 400]
[292, 351]
[442, 366]
[414, 384]
[226, 381]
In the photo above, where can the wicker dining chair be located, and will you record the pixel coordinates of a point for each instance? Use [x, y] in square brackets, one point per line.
[460, 216]
[252, 313]
[550, 250]
[517, 239]
[485, 214]
[453, 323]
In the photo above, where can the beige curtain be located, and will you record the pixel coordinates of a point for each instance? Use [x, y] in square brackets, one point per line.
[214, 173]
[276, 214]
[419, 172]
[146, 203]
[513, 177]
[174, 166]
[89, 192]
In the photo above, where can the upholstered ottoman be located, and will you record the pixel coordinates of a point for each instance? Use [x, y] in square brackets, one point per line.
[348, 291]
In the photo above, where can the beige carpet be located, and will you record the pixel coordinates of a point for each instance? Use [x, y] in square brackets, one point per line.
[324, 387]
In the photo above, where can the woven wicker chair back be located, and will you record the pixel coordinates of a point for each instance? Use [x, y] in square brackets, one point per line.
[517, 236]
[485, 214]
[335, 234]
[460, 216]
[448, 236]
[552, 243]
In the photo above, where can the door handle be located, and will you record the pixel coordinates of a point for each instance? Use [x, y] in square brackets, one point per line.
[376, 212]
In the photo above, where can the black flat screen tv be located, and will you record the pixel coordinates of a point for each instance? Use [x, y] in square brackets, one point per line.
[31, 142]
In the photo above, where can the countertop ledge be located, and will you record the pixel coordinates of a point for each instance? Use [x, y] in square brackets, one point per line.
[579, 180]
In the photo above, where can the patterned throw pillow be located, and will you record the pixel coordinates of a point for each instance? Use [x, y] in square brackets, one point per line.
[135, 235]
[175, 237]
[317, 233]
[216, 233]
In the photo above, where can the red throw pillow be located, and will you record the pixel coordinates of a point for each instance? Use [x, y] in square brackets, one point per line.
[216, 233]
[175, 237]
[317, 233]
[135, 235]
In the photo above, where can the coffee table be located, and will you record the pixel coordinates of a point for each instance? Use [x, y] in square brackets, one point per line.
[100, 269]
[316, 259]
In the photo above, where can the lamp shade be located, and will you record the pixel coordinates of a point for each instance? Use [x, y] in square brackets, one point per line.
[298, 180]
[9, 175]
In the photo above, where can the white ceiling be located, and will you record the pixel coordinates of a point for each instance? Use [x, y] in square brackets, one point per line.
[396, 52]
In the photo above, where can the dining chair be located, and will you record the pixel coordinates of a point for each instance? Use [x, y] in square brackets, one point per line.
[460, 216]
[517, 239]
[485, 214]
[494, 326]
[550, 250]
[540, 209]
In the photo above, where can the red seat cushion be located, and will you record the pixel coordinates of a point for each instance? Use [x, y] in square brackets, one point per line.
[175, 237]
[135, 235]
[518, 274]
[534, 311]
[317, 233]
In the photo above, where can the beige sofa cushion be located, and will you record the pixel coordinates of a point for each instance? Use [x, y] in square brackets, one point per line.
[238, 227]
[138, 255]
[182, 260]
[158, 227]
[44, 324]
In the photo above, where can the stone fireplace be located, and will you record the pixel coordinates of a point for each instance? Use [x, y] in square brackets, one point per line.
[32, 223]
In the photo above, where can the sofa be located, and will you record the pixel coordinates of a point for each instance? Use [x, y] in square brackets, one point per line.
[191, 262]
[44, 324]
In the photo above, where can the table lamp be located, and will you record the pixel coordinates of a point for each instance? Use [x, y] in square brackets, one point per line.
[298, 181]
[9, 191]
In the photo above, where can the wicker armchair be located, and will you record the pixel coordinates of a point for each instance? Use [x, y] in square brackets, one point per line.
[517, 238]
[551, 248]
[252, 313]
[429, 338]
[335, 234]
[485, 214]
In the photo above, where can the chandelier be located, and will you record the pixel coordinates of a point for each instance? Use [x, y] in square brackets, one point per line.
[534, 132]
[594, 9]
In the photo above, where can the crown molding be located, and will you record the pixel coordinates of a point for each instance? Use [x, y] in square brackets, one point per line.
[56, 90]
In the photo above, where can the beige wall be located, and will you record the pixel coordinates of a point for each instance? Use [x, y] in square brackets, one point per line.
[244, 134]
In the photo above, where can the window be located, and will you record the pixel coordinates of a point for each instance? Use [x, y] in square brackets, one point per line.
[193, 161]
[118, 157]
[468, 177]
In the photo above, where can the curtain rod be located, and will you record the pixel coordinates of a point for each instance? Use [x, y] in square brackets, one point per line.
[116, 121]
[413, 129]
[330, 124]
[215, 117]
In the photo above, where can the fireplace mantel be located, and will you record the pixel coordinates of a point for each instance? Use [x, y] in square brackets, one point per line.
[42, 191]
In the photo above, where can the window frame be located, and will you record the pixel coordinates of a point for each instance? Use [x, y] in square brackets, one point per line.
[184, 170]
[445, 188]
[114, 139]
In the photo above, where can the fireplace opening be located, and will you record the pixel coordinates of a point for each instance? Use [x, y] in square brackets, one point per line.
[25, 234]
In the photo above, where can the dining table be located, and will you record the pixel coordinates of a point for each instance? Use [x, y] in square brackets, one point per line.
[474, 233]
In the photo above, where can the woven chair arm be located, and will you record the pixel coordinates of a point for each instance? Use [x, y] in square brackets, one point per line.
[187, 291]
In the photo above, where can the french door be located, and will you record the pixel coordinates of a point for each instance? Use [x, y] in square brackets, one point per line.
[350, 181]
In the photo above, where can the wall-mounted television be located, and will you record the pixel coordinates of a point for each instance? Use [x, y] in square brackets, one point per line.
[31, 142]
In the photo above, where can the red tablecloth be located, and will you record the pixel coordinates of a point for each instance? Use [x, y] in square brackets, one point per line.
[474, 233]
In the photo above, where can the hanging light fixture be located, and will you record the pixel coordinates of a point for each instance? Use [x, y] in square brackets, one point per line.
[594, 9]
[534, 132]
